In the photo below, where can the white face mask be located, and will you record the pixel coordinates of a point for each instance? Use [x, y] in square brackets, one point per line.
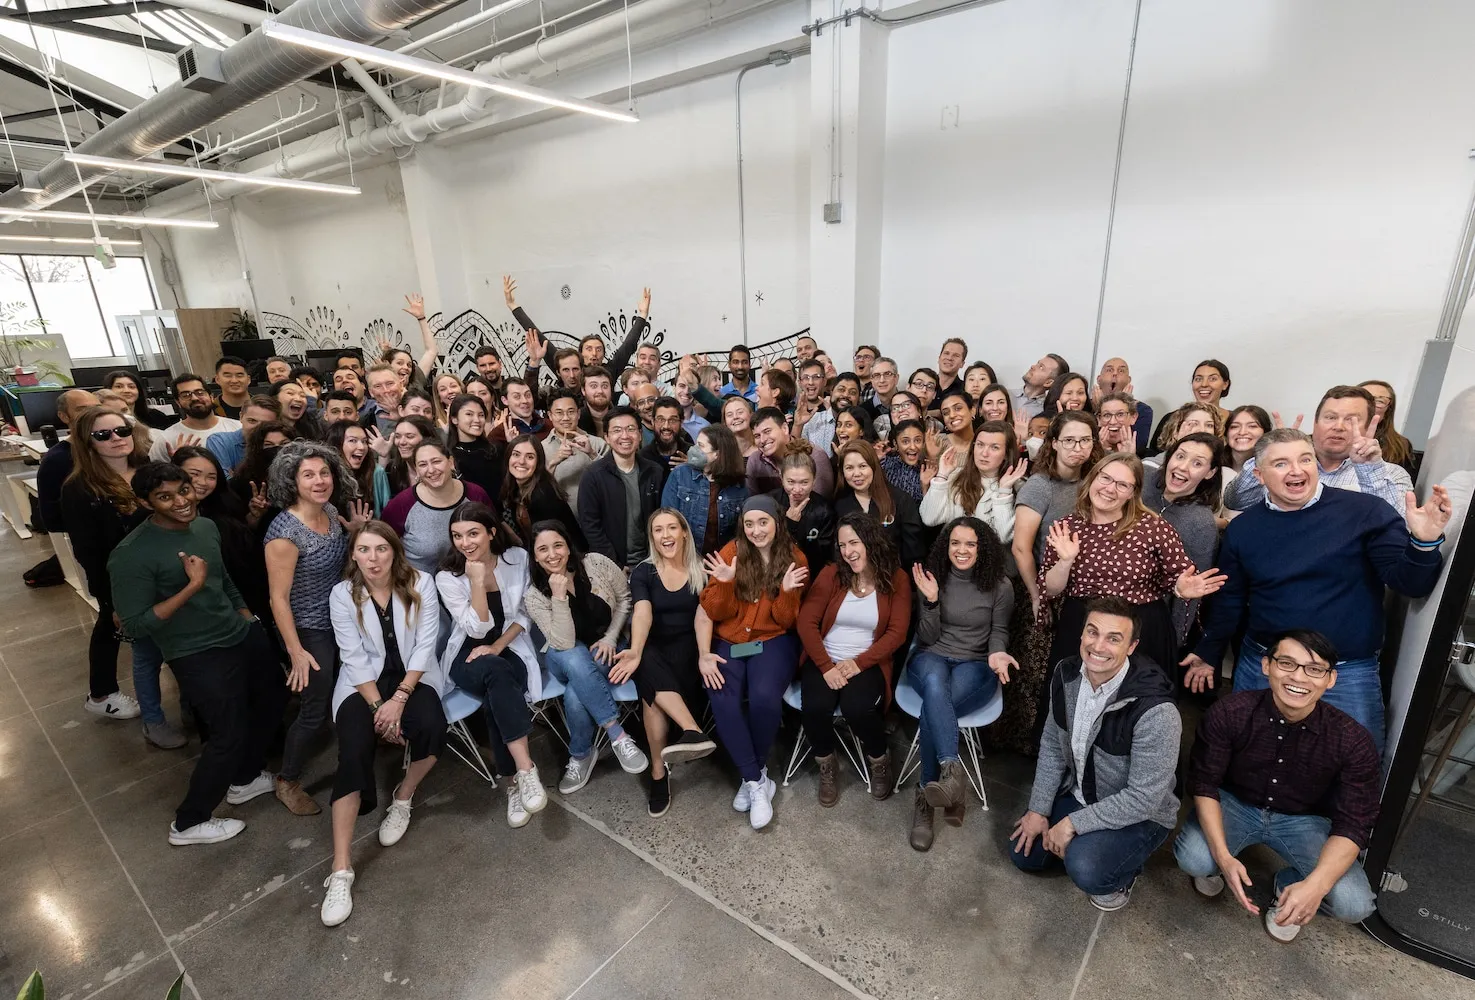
[1033, 446]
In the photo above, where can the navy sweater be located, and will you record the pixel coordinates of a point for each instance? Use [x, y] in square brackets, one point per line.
[1323, 567]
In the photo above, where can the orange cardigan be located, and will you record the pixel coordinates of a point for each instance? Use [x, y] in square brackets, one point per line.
[739, 621]
[822, 605]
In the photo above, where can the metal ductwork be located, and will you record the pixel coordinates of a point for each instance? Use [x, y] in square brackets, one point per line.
[254, 68]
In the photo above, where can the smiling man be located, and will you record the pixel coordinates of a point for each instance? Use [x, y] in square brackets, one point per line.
[198, 419]
[1279, 768]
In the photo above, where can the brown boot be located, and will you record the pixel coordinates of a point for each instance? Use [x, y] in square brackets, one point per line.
[921, 838]
[828, 793]
[298, 802]
[953, 815]
[950, 788]
[880, 770]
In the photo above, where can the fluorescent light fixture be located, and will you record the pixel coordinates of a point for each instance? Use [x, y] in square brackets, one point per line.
[11, 214]
[423, 67]
[179, 170]
[69, 240]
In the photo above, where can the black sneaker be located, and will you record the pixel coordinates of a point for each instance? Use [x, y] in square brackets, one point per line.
[692, 745]
[660, 796]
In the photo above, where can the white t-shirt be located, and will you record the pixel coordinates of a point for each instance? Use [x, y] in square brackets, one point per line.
[854, 630]
[169, 436]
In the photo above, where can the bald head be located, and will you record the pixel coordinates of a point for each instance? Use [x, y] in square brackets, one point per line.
[1115, 375]
[73, 402]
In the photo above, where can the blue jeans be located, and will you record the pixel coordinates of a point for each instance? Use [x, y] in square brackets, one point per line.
[1358, 691]
[587, 701]
[747, 734]
[949, 688]
[147, 662]
[1297, 839]
[1100, 862]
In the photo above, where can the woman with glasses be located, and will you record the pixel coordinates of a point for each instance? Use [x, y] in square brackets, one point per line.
[1112, 545]
[904, 406]
[1116, 412]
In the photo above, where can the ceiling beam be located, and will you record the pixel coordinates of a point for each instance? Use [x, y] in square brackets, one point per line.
[29, 116]
[65, 15]
[107, 35]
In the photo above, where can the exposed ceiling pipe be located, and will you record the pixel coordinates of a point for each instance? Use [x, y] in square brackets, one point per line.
[255, 67]
[465, 24]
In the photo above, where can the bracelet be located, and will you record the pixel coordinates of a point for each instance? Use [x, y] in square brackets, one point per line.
[406, 689]
[399, 700]
[374, 706]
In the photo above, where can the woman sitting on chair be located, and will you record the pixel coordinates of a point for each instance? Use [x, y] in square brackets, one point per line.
[481, 582]
[851, 622]
[962, 634]
[580, 603]
[385, 618]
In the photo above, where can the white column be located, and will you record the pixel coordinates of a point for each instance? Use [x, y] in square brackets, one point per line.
[435, 231]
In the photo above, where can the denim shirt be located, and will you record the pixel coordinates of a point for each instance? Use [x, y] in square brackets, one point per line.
[688, 491]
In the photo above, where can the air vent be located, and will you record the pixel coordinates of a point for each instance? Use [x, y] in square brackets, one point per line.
[199, 69]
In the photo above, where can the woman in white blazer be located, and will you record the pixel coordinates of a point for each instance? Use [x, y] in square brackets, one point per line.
[385, 618]
[482, 579]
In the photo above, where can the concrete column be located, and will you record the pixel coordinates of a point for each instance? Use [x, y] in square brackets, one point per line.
[435, 231]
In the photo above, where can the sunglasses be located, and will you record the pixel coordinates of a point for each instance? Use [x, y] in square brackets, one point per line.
[112, 432]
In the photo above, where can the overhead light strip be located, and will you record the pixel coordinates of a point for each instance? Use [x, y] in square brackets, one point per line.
[423, 67]
[39, 215]
[201, 173]
[69, 240]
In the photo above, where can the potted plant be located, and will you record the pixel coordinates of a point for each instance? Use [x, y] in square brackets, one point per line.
[35, 989]
[15, 341]
[243, 327]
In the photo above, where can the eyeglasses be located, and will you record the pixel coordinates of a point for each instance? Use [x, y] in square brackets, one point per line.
[1084, 442]
[1288, 666]
[1116, 484]
[929, 386]
[102, 434]
[187, 393]
[1114, 418]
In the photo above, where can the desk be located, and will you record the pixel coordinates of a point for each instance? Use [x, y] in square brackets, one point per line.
[15, 504]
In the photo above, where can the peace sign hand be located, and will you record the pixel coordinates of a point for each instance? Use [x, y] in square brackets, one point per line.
[359, 514]
[259, 499]
[1279, 423]
[415, 305]
[722, 572]
[794, 578]
[643, 307]
[1365, 447]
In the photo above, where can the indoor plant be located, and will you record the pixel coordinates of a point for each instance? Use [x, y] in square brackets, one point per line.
[15, 341]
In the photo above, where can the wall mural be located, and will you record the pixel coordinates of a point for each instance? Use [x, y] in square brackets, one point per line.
[321, 329]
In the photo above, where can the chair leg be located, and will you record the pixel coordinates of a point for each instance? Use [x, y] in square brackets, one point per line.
[797, 758]
[468, 751]
[855, 755]
[975, 776]
[908, 764]
[544, 711]
[1427, 785]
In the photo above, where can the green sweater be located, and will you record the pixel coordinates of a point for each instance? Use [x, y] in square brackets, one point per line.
[145, 569]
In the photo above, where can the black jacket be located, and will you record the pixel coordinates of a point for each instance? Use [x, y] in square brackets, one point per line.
[480, 462]
[905, 529]
[544, 505]
[614, 363]
[55, 467]
[653, 452]
[94, 529]
[1146, 686]
[602, 512]
[814, 532]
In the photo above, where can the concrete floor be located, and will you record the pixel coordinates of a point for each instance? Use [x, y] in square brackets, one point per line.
[592, 899]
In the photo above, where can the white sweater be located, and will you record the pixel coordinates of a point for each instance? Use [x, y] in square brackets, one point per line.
[995, 508]
[512, 583]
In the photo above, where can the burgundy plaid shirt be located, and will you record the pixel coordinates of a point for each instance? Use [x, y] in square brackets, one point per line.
[1324, 765]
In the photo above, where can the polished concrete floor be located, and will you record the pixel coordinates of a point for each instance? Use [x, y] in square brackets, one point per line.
[592, 899]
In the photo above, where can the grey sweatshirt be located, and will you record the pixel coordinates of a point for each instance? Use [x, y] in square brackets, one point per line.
[966, 623]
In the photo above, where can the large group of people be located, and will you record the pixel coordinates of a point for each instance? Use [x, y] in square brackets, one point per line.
[681, 554]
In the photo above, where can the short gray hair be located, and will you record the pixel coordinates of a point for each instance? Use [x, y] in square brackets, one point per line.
[281, 478]
[889, 361]
[1281, 435]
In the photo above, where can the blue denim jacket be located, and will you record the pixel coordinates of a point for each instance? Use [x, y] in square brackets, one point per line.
[688, 491]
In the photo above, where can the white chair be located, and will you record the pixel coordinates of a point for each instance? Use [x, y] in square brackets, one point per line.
[549, 709]
[910, 701]
[850, 743]
[459, 706]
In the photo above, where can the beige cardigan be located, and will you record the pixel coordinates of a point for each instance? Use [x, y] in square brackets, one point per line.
[556, 622]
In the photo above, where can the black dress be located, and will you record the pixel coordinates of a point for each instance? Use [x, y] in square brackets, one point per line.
[669, 661]
[904, 529]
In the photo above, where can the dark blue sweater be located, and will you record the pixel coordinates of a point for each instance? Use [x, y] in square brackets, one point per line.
[1323, 567]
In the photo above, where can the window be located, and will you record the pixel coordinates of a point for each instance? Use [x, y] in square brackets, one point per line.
[78, 298]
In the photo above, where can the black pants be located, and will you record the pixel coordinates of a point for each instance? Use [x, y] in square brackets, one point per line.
[860, 702]
[501, 683]
[313, 701]
[102, 653]
[238, 693]
[422, 724]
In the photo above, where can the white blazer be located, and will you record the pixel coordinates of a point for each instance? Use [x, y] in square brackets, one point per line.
[512, 581]
[361, 646]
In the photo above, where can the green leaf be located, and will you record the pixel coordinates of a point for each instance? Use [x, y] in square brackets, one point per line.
[177, 990]
[33, 989]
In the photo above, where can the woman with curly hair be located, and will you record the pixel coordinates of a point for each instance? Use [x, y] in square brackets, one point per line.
[306, 547]
[852, 621]
[962, 635]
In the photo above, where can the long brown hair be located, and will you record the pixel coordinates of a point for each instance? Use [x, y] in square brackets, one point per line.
[755, 581]
[1132, 511]
[92, 472]
[401, 573]
[1396, 448]
[968, 487]
[1046, 461]
[881, 555]
[880, 490]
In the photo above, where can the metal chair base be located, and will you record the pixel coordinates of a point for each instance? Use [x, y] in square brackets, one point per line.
[969, 740]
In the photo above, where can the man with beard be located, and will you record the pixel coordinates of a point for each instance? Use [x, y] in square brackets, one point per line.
[198, 419]
[643, 396]
[740, 370]
[489, 364]
[812, 418]
[671, 442]
[598, 394]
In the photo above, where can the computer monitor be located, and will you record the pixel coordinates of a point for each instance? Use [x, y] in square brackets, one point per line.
[95, 374]
[38, 407]
[323, 360]
[250, 350]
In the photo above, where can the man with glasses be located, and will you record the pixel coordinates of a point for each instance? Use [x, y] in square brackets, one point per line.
[670, 443]
[1276, 767]
[198, 419]
[1117, 415]
[923, 385]
[818, 427]
[877, 397]
[1312, 554]
[619, 493]
[862, 363]
[1116, 376]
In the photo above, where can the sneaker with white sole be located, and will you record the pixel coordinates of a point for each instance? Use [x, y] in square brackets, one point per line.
[1208, 887]
[517, 815]
[1110, 902]
[115, 706]
[263, 783]
[396, 821]
[338, 903]
[530, 786]
[630, 756]
[743, 800]
[212, 831]
[760, 812]
[1285, 933]
[576, 773]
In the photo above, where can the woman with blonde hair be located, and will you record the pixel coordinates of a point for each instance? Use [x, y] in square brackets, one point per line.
[443, 391]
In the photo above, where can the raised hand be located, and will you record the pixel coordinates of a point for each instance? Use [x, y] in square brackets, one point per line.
[1427, 523]
[476, 573]
[688, 363]
[934, 444]
[1066, 543]
[947, 464]
[1001, 663]
[1012, 476]
[184, 441]
[1279, 423]
[384, 347]
[359, 514]
[537, 348]
[1199, 676]
[925, 582]
[793, 579]
[1021, 425]
[1193, 585]
[509, 292]
[643, 306]
[195, 569]
[415, 305]
[722, 572]
[710, 667]
[1365, 447]
[379, 443]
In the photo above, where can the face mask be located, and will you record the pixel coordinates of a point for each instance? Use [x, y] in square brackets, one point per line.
[1033, 445]
[695, 457]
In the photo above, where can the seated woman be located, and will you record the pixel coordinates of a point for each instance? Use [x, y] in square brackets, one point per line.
[384, 620]
[808, 516]
[751, 602]
[983, 487]
[865, 491]
[663, 650]
[422, 513]
[852, 621]
[708, 490]
[579, 603]
[489, 654]
[530, 494]
[962, 635]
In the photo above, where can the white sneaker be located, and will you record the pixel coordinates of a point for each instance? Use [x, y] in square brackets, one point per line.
[743, 800]
[576, 773]
[261, 784]
[338, 903]
[630, 756]
[1208, 887]
[115, 706]
[517, 815]
[761, 797]
[212, 831]
[396, 821]
[534, 796]
[1286, 933]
